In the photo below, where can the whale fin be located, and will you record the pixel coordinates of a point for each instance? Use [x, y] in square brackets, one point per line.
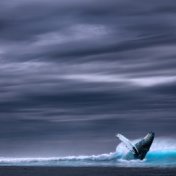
[128, 144]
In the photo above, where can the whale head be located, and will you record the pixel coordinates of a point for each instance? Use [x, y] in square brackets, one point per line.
[144, 145]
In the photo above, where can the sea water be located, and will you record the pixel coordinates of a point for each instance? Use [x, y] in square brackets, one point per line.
[161, 154]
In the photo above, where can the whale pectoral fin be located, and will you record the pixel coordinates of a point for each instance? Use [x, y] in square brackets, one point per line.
[128, 144]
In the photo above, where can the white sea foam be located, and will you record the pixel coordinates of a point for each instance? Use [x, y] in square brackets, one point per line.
[162, 153]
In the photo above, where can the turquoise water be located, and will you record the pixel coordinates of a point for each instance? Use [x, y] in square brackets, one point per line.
[162, 154]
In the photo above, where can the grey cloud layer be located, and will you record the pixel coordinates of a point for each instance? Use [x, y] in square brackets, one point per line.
[80, 71]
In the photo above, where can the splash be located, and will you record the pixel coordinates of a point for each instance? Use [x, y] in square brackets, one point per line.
[162, 154]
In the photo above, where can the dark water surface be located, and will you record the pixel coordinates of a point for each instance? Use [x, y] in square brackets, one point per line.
[85, 171]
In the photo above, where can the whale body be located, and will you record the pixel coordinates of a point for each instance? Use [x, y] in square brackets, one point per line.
[139, 149]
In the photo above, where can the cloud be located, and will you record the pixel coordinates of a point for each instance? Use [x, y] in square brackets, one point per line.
[145, 81]
[74, 71]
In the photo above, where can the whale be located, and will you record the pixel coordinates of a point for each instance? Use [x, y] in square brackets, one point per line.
[139, 149]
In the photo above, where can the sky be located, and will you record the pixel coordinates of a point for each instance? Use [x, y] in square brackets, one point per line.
[74, 73]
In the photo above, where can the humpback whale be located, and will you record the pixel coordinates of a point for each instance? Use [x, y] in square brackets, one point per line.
[140, 148]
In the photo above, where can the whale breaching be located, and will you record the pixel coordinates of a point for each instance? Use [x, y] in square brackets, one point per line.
[139, 149]
[163, 154]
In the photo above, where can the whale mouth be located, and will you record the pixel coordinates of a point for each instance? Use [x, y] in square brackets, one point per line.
[162, 154]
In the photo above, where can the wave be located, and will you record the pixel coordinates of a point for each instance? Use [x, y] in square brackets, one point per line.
[162, 154]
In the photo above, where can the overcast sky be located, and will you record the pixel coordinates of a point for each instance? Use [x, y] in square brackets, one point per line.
[73, 73]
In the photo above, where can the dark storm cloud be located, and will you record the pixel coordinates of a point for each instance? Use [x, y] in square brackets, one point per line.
[80, 71]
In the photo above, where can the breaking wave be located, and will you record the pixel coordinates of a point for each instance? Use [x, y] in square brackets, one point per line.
[161, 154]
